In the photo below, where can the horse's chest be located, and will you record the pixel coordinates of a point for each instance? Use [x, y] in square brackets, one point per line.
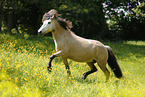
[59, 47]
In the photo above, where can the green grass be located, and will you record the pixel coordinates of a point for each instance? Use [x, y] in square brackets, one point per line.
[23, 72]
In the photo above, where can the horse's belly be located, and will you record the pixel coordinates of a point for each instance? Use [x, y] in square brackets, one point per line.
[81, 54]
[81, 58]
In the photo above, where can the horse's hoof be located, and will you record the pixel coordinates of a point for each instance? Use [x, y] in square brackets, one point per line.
[84, 77]
[49, 69]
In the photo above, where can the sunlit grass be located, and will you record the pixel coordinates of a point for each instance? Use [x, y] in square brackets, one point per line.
[23, 72]
[137, 43]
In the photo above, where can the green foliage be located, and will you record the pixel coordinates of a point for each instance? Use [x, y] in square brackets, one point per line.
[88, 17]
[84, 15]
[23, 72]
[127, 19]
[20, 13]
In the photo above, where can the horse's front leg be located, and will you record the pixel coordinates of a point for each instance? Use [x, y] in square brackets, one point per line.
[51, 58]
[66, 65]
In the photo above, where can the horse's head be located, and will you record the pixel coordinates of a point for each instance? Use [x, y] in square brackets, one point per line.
[47, 20]
[48, 26]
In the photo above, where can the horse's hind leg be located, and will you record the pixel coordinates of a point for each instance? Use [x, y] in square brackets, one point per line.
[93, 69]
[103, 67]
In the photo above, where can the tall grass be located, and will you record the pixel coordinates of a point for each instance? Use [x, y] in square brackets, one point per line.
[23, 72]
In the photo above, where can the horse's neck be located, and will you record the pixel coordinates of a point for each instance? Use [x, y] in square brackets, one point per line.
[64, 35]
[57, 31]
[60, 34]
[57, 35]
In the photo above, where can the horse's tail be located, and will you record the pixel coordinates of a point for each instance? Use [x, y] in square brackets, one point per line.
[112, 62]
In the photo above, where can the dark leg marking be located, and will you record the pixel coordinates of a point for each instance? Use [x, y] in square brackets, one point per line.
[93, 69]
[68, 69]
[49, 63]
[66, 65]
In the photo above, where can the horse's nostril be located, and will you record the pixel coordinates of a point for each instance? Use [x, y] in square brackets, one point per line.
[39, 33]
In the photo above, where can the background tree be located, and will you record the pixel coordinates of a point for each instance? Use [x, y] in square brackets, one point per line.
[87, 17]
[1, 13]
[99, 19]
[21, 13]
[125, 21]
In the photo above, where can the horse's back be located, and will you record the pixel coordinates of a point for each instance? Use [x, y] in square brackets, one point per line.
[83, 50]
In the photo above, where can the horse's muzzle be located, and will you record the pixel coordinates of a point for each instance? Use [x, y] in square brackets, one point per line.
[40, 33]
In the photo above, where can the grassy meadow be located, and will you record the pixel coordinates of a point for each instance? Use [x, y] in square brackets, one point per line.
[23, 72]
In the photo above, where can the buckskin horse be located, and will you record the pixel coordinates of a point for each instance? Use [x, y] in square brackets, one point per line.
[70, 46]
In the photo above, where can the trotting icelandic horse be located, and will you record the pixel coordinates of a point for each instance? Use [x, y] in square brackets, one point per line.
[70, 46]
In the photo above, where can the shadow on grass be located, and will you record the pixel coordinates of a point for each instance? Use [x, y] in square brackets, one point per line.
[123, 50]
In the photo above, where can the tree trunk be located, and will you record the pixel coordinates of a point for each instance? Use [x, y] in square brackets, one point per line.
[1, 14]
[83, 29]
[10, 22]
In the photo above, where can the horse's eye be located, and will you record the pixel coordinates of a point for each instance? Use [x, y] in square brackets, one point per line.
[49, 22]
